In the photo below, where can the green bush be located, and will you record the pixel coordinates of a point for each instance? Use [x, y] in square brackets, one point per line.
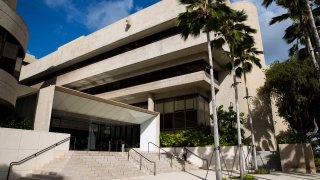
[202, 136]
[292, 137]
[248, 176]
[317, 162]
[189, 138]
[16, 121]
[262, 171]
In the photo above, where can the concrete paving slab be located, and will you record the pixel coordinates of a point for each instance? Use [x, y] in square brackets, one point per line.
[200, 175]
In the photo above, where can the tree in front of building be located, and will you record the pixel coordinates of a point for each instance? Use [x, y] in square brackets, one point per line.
[235, 33]
[296, 89]
[303, 29]
[203, 16]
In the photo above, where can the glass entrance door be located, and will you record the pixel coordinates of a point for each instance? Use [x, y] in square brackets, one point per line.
[103, 137]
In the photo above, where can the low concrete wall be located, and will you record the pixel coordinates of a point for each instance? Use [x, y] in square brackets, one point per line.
[297, 158]
[17, 144]
[228, 161]
[266, 159]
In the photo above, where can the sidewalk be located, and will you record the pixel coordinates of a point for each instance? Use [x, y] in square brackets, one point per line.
[200, 174]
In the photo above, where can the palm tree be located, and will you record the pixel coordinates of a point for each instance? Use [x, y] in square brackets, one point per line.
[234, 32]
[300, 24]
[303, 5]
[246, 56]
[202, 16]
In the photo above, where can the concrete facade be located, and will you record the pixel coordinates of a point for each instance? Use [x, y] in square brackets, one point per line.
[13, 42]
[93, 61]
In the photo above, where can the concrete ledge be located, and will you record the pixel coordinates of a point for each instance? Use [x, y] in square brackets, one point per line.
[162, 85]
[8, 88]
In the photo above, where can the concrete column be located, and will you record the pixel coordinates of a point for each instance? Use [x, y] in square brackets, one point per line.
[150, 132]
[44, 109]
[150, 102]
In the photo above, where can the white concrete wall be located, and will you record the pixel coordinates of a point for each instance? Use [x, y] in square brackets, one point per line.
[17, 144]
[227, 152]
[150, 132]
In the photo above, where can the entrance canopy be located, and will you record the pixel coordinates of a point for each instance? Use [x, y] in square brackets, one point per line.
[71, 101]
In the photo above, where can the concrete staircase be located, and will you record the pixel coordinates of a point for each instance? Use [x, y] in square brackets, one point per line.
[77, 165]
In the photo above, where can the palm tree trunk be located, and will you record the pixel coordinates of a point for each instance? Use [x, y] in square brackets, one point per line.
[312, 53]
[254, 151]
[235, 86]
[214, 109]
[313, 26]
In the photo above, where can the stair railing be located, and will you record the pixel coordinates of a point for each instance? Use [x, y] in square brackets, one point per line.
[203, 159]
[142, 156]
[170, 154]
[35, 155]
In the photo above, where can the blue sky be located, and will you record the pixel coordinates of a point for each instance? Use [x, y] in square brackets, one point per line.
[53, 23]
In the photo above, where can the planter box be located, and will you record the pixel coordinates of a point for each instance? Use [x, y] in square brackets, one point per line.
[297, 158]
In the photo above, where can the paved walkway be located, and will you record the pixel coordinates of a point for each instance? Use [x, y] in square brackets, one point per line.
[200, 174]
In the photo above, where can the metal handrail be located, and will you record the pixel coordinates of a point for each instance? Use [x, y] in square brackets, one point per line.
[203, 159]
[171, 155]
[35, 155]
[142, 156]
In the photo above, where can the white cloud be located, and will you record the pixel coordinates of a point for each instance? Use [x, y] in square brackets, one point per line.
[56, 3]
[95, 15]
[107, 12]
[274, 47]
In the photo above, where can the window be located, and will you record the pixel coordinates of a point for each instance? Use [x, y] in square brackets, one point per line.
[182, 113]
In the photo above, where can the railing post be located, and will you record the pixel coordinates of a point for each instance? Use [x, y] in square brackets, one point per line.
[148, 146]
[171, 162]
[154, 164]
[128, 154]
[140, 162]
[159, 153]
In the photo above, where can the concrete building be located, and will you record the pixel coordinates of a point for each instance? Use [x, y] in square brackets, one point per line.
[140, 60]
[13, 41]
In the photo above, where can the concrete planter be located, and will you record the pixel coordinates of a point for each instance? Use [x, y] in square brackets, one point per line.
[297, 158]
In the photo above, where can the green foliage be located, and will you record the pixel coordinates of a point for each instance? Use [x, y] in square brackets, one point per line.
[317, 162]
[189, 138]
[292, 137]
[200, 137]
[262, 171]
[296, 89]
[225, 178]
[16, 121]
[228, 126]
[248, 176]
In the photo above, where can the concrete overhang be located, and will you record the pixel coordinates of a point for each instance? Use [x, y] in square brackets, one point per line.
[143, 23]
[75, 102]
[197, 80]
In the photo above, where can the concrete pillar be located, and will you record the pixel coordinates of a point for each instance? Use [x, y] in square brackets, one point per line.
[150, 102]
[44, 109]
[150, 132]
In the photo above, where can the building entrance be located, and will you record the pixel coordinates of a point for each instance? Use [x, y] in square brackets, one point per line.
[107, 137]
[95, 135]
